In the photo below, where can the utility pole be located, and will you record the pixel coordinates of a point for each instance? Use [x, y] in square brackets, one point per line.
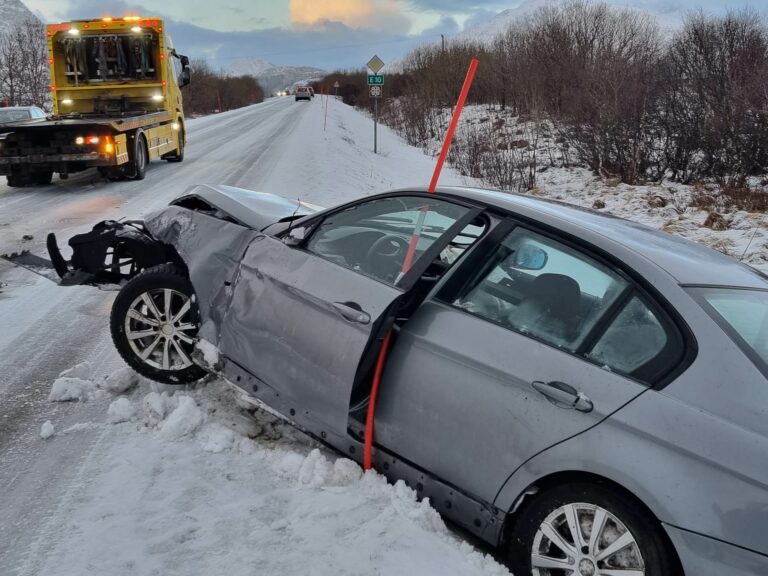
[442, 39]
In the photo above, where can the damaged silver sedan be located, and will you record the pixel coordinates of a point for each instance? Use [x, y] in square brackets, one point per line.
[586, 393]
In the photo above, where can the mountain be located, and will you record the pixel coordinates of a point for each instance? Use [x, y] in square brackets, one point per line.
[272, 77]
[668, 13]
[12, 14]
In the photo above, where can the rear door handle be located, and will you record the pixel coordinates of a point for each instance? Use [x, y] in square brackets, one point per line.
[564, 395]
[352, 312]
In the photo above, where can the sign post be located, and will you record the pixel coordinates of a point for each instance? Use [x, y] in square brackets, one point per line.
[375, 91]
[336, 89]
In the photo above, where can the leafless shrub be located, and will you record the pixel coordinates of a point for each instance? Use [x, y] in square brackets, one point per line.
[715, 103]
[729, 199]
[210, 91]
[716, 221]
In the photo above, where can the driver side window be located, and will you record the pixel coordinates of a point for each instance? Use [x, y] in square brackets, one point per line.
[382, 238]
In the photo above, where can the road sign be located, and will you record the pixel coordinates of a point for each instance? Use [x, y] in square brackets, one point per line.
[375, 91]
[376, 64]
[336, 84]
[375, 80]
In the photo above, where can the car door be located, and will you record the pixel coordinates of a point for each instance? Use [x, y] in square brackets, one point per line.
[510, 361]
[301, 316]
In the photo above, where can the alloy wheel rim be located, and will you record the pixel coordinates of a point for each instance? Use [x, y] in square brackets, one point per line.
[160, 329]
[585, 540]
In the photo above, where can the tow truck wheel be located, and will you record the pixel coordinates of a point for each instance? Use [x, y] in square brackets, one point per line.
[42, 178]
[178, 156]
[17, 180]
[140, 158]
[154, 324]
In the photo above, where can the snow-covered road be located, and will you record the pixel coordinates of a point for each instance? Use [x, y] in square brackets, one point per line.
[185, 484]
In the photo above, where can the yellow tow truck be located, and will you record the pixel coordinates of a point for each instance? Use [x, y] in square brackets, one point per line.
[116, 90]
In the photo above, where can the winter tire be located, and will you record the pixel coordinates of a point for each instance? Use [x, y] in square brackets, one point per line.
[587, 530]
[178, 155]
[154, 323]
[140, 158]
[17, 180]
[42, 178]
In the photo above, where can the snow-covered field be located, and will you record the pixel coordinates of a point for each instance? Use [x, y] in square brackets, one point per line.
[107, 473]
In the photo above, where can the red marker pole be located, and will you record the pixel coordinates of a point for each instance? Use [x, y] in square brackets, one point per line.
[325, 121]
[380, 362]
[441, 160]
[454, 122]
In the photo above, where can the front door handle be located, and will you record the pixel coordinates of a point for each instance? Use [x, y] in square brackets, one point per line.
[564, 395]
[352, 312]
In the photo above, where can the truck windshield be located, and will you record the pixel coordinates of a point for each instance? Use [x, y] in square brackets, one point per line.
[743, 314]
[109, 57]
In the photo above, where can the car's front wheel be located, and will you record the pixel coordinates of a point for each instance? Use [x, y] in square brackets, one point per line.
[154, 324]
[586, 530]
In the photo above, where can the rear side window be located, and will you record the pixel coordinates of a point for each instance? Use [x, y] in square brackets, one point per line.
[743, 314]
[633, 342]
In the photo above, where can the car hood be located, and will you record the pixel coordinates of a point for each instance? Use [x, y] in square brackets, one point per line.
[255, 210]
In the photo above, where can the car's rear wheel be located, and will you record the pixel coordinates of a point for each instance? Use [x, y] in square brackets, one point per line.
[587, 530]
[154, 324]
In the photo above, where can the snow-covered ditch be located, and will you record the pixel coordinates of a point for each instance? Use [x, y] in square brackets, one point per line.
[183, 481]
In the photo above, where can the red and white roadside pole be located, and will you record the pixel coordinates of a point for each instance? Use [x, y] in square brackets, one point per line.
[382, 359]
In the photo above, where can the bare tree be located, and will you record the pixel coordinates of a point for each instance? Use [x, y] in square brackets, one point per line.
[24, 72]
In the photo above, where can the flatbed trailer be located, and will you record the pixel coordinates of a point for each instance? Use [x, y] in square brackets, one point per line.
[116, 104]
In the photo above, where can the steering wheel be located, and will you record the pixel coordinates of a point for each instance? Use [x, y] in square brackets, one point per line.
[384, 259]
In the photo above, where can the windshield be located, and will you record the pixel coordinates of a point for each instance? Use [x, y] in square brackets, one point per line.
[13, 115]
[743, 314]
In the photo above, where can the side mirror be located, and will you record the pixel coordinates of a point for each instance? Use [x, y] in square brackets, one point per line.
[184, 61]
[185, 77]
[295, 237]
[530, 257]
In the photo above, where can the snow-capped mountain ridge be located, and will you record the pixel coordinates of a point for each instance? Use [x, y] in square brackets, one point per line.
[12, 14]
[273, 77]
[669, 15]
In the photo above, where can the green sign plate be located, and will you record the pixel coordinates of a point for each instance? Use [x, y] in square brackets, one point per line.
[375, 80]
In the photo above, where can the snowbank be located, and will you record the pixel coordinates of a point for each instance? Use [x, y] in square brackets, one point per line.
[121, 410]
[65, 389]
[47, 430]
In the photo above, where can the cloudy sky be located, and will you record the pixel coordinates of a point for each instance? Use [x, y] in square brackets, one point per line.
[328, 34]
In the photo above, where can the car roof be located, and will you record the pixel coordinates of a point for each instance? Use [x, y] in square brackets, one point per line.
[21, 108]
[688, 262]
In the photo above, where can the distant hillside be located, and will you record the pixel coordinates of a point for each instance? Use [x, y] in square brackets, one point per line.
[669, 14]
[272, 77]
[13, 13]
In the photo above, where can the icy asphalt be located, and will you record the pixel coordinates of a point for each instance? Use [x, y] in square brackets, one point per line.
[129, 481]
